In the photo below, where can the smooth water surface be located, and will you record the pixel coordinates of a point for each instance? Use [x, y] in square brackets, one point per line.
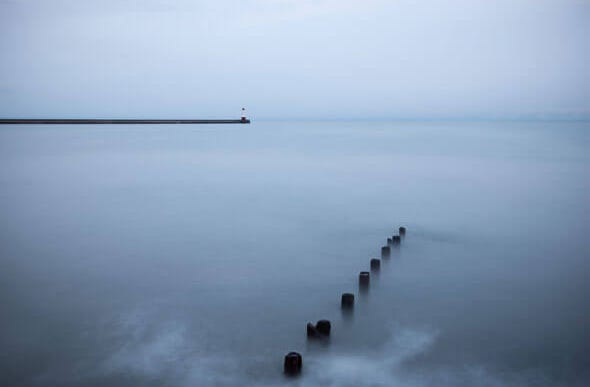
[195, 255]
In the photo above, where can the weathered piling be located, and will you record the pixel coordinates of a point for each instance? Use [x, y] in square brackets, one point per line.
[389, 241]
[364, 279]
[319, 330]
[402, 231]
[347, 301]
[312, 332]
[396, 239]
[385, 252]
[323, 327]
[375, 265]
[293, 363]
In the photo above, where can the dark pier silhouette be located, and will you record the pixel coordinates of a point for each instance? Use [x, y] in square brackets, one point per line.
[115, 121]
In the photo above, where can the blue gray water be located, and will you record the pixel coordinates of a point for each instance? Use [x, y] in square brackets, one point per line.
[195, 255]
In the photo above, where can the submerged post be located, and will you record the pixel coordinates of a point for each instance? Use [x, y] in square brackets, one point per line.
[364, 279]
[320, 330]
[375, 265]
[323, 327]
[385, 252]
[347, 301]
[293, 363]
[312, 331]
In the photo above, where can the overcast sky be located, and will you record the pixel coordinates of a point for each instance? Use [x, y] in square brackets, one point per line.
[295, 58]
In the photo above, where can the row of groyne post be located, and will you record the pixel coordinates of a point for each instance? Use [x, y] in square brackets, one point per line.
[293, 362]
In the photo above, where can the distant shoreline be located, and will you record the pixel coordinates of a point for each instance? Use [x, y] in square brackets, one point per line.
[103, 121]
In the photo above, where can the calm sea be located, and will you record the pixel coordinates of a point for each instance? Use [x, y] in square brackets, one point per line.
[195, 255]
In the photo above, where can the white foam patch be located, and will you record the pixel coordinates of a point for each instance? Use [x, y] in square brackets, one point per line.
[147, 350]
[149, 357]
[164, 352]
[377, 369]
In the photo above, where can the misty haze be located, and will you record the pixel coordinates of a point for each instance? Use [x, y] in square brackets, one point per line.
[195, 254]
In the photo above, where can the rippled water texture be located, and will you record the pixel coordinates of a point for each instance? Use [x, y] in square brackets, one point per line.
[195, 255]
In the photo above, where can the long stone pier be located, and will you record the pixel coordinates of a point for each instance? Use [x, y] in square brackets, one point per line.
[116, 121]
